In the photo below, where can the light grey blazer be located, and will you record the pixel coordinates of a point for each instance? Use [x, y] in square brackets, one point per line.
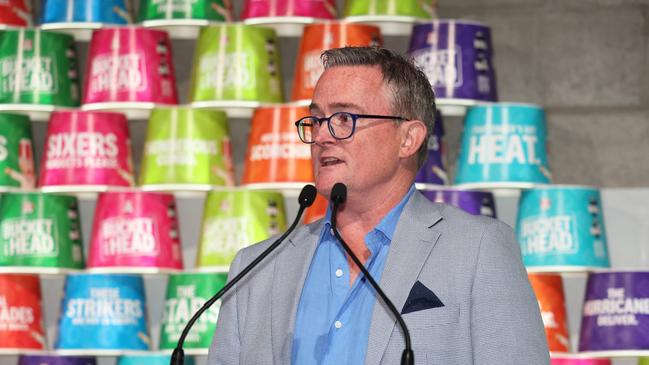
[472, 263]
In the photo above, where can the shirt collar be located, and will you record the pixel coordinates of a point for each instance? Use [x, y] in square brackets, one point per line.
[388, 224]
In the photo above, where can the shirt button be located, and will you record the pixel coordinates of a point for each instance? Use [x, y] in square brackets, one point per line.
[339, 273]
[338, 324]
[331, 230]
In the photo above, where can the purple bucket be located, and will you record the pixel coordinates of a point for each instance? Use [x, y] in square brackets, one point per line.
[434, 170]
[615, 316]
[56, 360]
[456, 57]
[471, 201]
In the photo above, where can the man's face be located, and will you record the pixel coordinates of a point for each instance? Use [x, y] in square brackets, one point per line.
[369, 159]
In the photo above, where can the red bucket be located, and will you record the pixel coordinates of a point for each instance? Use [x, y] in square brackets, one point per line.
[21, 325]
[16, 13]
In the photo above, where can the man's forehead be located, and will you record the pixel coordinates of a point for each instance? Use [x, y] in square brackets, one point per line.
[363, 79]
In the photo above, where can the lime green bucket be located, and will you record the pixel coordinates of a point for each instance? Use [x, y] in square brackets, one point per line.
[234, 219]
[187, 149]
[236, 63]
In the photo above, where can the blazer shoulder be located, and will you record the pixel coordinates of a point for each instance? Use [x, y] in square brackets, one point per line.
[458, 217]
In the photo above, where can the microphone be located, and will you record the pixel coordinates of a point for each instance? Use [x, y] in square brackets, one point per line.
[306, 198]
[338, 197]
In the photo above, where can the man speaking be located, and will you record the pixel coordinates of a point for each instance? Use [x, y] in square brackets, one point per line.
[457, 279]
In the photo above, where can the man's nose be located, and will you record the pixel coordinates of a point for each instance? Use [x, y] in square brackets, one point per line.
[321, 135]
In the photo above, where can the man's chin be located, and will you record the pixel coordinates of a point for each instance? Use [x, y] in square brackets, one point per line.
[324, 186]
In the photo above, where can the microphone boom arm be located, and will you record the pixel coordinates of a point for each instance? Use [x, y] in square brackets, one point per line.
[408, 357]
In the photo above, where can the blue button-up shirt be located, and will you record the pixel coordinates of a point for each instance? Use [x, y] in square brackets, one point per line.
[333, 319]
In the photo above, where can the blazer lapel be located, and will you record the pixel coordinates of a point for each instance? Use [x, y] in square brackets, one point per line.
[411, 245]
[291, 268]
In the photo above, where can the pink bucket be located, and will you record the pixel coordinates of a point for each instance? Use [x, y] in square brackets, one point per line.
[86, 151]
[321, 9]
[130, 64]
[135, 232]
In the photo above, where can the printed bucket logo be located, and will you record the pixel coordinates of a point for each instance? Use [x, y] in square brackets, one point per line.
[15, 318]
[227, 72]
[548, 318]
[549, 235]
[29, 237]
[441, 66]
[90, 150]
[617, 309]
[179, 310]
[503, 144]
[312, 68]
[225, 235]
[170, 152]
[33, 74]
[275, 146]
[104, 307]
[175, 6]
[120, 73]
[121, 236]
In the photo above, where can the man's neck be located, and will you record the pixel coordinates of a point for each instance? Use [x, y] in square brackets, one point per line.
[364, 210]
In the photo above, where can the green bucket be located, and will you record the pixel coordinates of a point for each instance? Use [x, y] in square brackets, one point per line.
[40, 233]
[214, 10]
[186, 294]
[38, 67]
[16, 152]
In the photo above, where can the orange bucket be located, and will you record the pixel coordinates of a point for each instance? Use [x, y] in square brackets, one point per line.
[549, 293]
[319, 37]
[276, 158]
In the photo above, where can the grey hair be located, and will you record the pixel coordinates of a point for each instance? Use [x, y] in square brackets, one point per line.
[412, 95]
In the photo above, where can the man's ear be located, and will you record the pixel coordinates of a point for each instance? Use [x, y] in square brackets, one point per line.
[413, 134]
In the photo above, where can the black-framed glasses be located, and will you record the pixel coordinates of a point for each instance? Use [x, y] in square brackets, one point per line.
[341, 125]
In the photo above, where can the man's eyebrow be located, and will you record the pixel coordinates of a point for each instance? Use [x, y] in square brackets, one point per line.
[313, 107]
[344, 106]
[341, 106]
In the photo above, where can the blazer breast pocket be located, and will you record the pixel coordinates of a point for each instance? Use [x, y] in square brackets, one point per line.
[447, 314]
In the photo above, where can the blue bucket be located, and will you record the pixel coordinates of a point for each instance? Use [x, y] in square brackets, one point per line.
[103, 313]
[82, 11]
[158, 359]
[503, 146]
[561, 228]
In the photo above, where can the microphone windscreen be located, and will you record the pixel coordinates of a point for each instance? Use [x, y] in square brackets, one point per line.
[307, 196]
[339, 193]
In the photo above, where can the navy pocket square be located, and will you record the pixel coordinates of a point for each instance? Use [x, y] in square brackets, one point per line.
[420, 298]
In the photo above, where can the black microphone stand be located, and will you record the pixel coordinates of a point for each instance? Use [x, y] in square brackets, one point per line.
[338, 196]
[306, 198]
